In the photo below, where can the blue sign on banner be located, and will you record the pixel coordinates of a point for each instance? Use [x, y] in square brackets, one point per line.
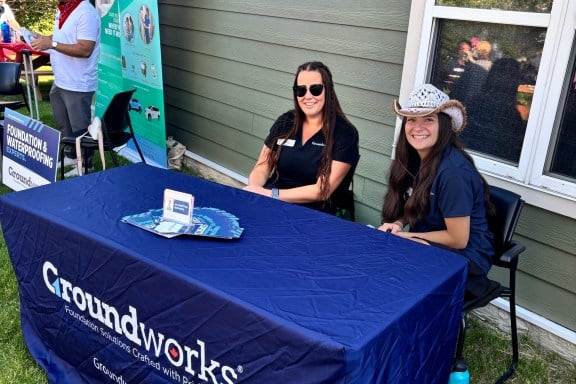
[30, 152]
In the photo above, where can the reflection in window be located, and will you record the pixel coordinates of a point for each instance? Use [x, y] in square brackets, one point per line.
[492, 70]
[538, 6]
[563, 153]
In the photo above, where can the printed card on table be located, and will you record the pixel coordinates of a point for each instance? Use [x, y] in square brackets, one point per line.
[178, 207]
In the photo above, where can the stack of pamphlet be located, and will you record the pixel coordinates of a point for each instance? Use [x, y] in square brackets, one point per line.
[208, 222]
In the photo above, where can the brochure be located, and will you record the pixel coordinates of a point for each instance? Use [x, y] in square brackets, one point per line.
[206, 222]
[26, 35]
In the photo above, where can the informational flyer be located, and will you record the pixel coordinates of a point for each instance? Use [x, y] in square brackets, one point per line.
[30, 152]
[206, 222]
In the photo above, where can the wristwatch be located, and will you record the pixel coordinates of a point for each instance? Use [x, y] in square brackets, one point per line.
[54, 44]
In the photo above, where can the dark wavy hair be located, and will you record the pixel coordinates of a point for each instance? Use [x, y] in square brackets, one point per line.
[331, 111]
[407, 171]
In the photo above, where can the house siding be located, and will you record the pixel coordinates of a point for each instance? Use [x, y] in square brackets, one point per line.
[228, 68]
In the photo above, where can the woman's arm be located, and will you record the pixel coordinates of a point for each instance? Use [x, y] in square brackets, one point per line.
[455, 235]
[311, 193]
[299, 195]
[260, 174]
[261, 171]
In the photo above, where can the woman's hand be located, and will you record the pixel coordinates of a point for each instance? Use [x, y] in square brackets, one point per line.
[394, 227]
[456, 234]
[397, 228]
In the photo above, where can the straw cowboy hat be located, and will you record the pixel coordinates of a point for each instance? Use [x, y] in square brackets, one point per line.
[427, 100]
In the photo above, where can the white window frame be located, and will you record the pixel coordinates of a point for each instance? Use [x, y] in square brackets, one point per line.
[528, 179]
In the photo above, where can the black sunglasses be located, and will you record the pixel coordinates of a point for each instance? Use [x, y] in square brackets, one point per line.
[315, 90]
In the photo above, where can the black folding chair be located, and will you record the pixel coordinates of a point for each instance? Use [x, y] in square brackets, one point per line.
[508, 207]
[116, 128]
[10, 86]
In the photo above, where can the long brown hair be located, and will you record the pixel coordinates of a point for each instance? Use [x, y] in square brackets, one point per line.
[408, 171]
[330, 112]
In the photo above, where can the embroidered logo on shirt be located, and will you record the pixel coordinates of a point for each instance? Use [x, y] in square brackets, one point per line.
[318, 144]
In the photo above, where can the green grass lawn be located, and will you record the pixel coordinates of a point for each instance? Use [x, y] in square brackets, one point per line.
[486, 351]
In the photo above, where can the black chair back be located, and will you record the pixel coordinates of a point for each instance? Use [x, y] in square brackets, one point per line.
[10, 79]
[10, 85]
[116, 117]
[503, 223]
[116, 129]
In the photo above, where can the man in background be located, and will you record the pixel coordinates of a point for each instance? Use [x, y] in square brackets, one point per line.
[74, 50]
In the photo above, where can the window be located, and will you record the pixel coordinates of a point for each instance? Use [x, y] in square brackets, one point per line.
[492, 70]
[513, 65]
[561, 161]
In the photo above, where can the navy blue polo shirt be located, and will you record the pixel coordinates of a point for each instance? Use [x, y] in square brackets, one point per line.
[457, 191]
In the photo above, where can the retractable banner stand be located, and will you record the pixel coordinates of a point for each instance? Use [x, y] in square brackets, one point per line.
[130, 58]
[30, 152]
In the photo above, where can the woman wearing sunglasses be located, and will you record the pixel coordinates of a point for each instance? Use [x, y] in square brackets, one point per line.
[311, 152]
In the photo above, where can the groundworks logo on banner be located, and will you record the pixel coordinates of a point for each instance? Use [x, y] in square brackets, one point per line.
[194, 360]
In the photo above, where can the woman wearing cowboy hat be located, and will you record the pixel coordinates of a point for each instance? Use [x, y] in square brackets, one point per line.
[434, 187]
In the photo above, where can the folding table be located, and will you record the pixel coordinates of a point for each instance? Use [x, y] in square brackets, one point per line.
[300, 297]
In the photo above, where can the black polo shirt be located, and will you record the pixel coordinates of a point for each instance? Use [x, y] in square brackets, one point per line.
[298, 164]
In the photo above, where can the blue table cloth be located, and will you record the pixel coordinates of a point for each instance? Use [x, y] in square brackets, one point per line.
[300, 297]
